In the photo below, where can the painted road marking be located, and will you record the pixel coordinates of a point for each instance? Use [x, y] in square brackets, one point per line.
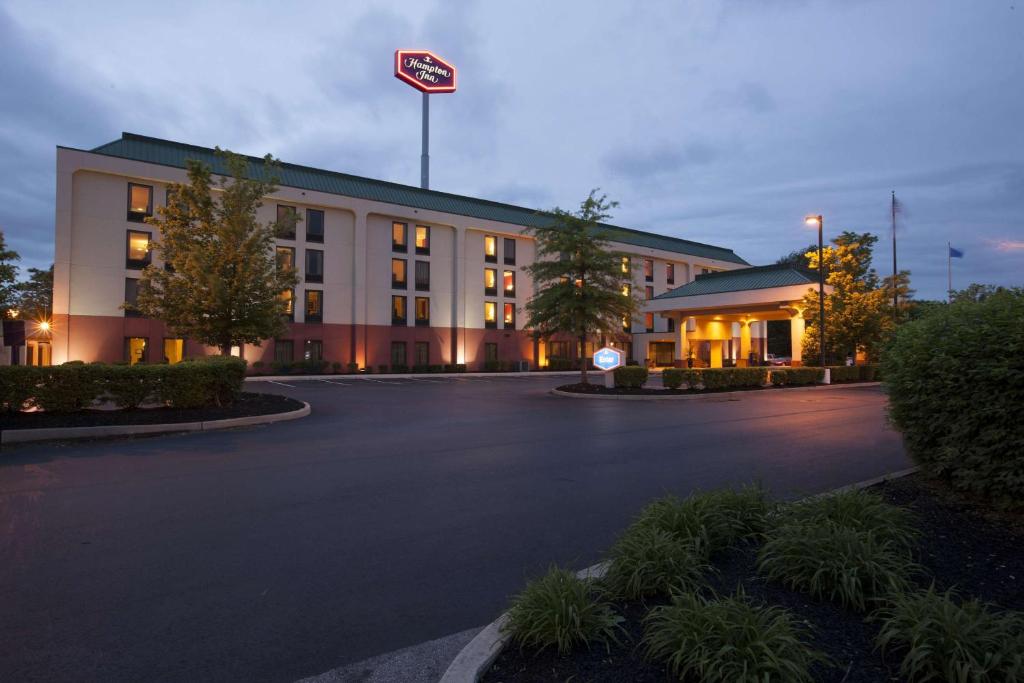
[281, 384]
[340, 384]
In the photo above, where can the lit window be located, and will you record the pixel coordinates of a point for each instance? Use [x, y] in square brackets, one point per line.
[174, 350]
[490, 314]
[287, 297]
[558, 349]
[490, 248]
[287, 217]
[648, 292]
[398, 316]
[422, 310]
[509, 282]
[131, 297]
[510, 251]
[314, 225]
[135, 349]
[648, 270]
[398, 274]
[626, 289]
[509, 316]
[423, 276]
[314, 306]
[314, 265]
[670, 273]
[490, 282]
[140, 202]
[139, 255]
[285, 258]
[399, 237]
[284, 350]
[627, 324]
[625, 265]
[422, 353]
[422, 239]
[649, 322]
[313, 350]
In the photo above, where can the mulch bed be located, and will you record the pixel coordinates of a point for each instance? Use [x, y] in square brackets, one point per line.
[248, 404]
[962, 545]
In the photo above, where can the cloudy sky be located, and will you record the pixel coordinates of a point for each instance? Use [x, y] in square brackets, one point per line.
[722, 122]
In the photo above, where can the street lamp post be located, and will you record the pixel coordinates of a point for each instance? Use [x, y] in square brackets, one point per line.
[818, 221]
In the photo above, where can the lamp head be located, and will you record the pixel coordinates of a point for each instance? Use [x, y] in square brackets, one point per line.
[813, 221]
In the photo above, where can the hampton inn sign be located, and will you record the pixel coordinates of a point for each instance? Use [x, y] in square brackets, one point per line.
[424, 71]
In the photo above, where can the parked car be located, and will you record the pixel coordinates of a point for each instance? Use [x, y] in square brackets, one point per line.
[778, 360]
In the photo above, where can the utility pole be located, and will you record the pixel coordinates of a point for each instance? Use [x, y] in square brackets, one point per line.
[895, 291]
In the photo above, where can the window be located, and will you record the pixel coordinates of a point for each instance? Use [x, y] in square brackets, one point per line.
[174, 350]
[558, 349]
[490, 314]
[399, 237]
[131, 297]
[509, 282]
[314, 306]
[490, 282]
[422, 311]
[398, 316]
[285, 258]
[705, 271]
[314, 225]
[490, 248]
[510, 251]
[422, 239]
[38, 352]
[490, 352]
[649, 322]
[287, 217]
[585, 351]
[627, 324]
[625, 265]
[670, 323]
[422, 353]
[135, 349]
[423, 276]
[314, 265]
[287, 297]
[670, 273]
[313, 349]
[648, 292]
[509, 316]
[648, 270]
[138, 254]
[398, 276]
[284, 350]
[397, 354]
[626, 289]
[140, 202]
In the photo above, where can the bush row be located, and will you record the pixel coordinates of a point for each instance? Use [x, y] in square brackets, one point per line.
[795, 376]
[630, 376]
[853, 373]
[324, 367]
[76, 386]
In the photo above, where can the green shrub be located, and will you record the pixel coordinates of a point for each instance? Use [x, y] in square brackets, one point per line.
[336, 367]
[728, 640]
[313, 367]
[837, 563]
[715, 519]
[560, 610]
[420, 369]
[955, 380]
[630, 376]
[942, 638]
[68, 388]
[131, 386]
[435, 368]
[844, 373]
[381, 369]
[796, 376]
[672, 378]
[400, 368]
[647, 561]
[716, 379]
[352, 367]
[562, 364]
[869, 373]
[492, 366]
[857, 510]
[17, 386]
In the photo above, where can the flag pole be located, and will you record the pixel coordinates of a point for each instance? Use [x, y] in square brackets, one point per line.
[949, 271]
[895, 295]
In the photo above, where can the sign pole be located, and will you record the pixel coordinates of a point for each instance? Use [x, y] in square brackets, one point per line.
[425, 156]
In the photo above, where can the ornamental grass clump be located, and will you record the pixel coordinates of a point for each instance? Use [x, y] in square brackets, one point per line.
[728, 640]
[562, 611]
[648, 561]
[857, 510]
[717, 519]
[944, 639]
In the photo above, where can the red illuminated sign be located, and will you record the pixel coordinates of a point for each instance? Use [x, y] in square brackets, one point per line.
[424, 71]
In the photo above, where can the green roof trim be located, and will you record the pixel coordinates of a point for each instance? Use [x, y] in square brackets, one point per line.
[168, 153]
[759, 277]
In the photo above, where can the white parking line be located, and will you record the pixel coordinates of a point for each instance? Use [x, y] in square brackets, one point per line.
[380, 381]
[281, 384]
[431, 381]
[340, 384]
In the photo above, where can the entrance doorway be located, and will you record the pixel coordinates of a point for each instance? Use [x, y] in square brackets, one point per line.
[37, 352]
[662, 353]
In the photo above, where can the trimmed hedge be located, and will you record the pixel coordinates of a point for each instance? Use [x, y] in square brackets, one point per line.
[630, 376]
[796, 376]
[955, 380]
[672, 378]
[714, 379]
[75, 386]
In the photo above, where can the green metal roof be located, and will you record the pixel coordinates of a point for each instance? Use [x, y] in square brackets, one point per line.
[168, 153]
[760, 277]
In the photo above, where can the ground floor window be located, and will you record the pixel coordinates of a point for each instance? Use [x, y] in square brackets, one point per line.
[284, 351]
[313, 350]
[490, 352]
[422, 353]
[585, 351]
[397, 353]
[663, 353]
[37, 352]
[135, 349]
[174, 350]
[558, 349]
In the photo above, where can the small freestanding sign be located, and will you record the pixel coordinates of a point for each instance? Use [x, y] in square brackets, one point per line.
[608, 359]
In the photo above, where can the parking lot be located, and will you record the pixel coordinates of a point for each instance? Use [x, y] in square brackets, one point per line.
[401, 510]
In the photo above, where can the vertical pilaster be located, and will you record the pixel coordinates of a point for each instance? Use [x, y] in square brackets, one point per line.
[360, 292]
[796, 337]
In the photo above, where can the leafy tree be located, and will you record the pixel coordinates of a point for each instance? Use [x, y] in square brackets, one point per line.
[977, 292]
[578, 277]
[798, 258]
[35, 295]
[8, 275]
[225, 287]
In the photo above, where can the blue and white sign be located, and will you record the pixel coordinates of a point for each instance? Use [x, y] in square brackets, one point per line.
[607, 359]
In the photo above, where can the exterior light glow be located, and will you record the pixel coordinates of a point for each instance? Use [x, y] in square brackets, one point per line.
[45, 326]
[812, 221]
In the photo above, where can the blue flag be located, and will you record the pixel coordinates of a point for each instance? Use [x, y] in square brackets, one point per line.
[955, 253]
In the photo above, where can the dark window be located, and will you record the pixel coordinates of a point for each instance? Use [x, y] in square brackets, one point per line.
[135, 349]
[509, 316]
[490, 282]
[490, 314]
[287, 217]
[314, 265]
[399, 237]
[422, 239]
[648, 292]
[649, 322]
[288, 297]
[131, 296]
[286, 258]
[314, 306]
[671, 324]
[284, 350]
[422, 353]
[510, 251]
[398, 314]
[423, 276]
[138, 254]
[313, 349]
[648, 270]
[422, 310]
[670, 273]
[490, 248]
[398, 276]
[490, 352]
[558, 349]
[140, 202]
[508, 283]
[314, 225]
[397, 353]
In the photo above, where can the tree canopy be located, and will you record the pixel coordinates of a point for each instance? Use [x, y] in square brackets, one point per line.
[35, 295]
[8, 277]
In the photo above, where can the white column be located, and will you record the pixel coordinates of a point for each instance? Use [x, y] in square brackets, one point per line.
[360, 290]
[796, 336]
[744, 356]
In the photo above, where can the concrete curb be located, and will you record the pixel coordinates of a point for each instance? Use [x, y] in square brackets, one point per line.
[409, 375]
[691, 397]
[476, 658]
[9, 436]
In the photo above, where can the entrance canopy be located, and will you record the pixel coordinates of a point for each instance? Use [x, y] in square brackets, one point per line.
[720, 307]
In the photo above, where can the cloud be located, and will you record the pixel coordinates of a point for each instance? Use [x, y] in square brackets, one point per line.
[1007, 245]
[640, 163]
